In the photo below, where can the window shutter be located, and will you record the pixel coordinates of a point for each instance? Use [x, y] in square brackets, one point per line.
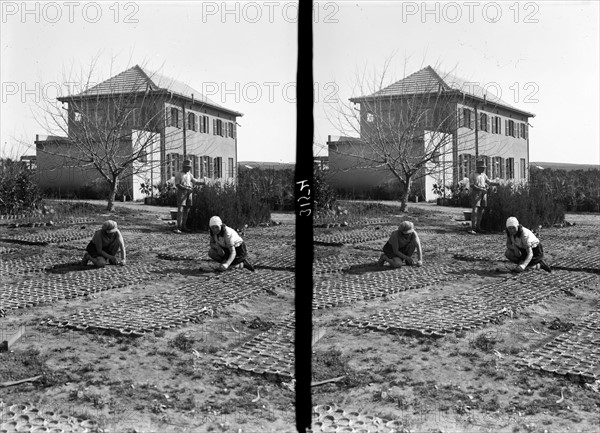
[525, 131]
[506, 127]
[209, 166]
[233, 126]
[214, 126]
[487, 123]
[472, 119]
[168, 116]
[518, 130]
[179, 118]
[459, 117]
[195, 165]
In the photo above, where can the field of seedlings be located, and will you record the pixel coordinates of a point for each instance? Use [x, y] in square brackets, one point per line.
[166, 344]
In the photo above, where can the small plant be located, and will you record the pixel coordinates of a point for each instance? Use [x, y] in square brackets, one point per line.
[182, 342]
[484, 343]
[146, 188]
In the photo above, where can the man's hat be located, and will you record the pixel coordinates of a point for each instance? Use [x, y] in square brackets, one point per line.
[187, 163]
[481, 163]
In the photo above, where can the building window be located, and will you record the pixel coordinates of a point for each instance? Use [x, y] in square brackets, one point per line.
[195, 167]
[509, 128]
[143, 156]
[206, 169]
[467, 119]
[510, 168]
[370, 117]
[230, 167]
[483, 122]
[496, 122]
[203, 124]
[77, 116]
[174, 117]
[192, 121]
[523, 131]
[204, 166]
[523, 169]
[229, 130]
[218, 170]
[497, 169]
[465, 163]
[485, 159]
[173, 164]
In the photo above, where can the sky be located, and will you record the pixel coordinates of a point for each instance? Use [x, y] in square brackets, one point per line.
[543, 57]
[242, 56]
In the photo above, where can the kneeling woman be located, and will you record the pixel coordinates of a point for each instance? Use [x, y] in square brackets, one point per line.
[104, 246]
[227, 247]
[401, 246]
[523, 247]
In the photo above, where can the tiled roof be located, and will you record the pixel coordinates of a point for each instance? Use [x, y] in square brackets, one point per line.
[430, 80]
[138, 79]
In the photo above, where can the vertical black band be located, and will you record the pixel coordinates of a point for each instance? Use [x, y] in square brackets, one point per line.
[304, 193]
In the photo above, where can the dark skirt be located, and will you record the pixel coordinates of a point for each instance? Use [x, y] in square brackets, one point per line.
[111, 249]
[407, 250]
[538, 254]
[240, 254]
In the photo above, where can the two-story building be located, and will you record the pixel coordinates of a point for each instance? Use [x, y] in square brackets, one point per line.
[459, 119]
[159, 122]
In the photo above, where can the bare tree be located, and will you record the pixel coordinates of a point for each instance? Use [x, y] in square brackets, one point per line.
[113, 129]
[406, 129]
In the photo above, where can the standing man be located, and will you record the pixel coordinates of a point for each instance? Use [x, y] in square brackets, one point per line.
[479, 184]
[184, 183]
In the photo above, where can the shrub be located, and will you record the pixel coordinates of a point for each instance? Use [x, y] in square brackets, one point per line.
[273, 187]
[167, 194]
[19, 190]
[577, 190]
[236, 206]
[533, 205]
[460, 194]
[96, 191]
[324, 194]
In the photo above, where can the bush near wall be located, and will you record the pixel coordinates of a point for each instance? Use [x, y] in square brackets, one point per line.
[274, 187]
[325, 195]
[236, 207]
[380, 192]
[19, 190]
[532, 204]
[578, 190]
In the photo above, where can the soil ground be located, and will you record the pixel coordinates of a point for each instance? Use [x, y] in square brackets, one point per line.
[172, 380]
